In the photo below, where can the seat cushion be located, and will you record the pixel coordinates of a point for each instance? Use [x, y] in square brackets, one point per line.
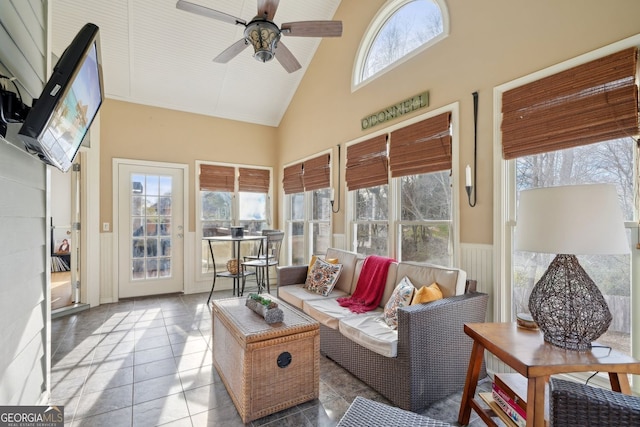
[371, 331]
[451, 281]
[297, 294]
[328, 312]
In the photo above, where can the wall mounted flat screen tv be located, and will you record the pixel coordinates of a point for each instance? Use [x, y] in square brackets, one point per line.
[59, 120]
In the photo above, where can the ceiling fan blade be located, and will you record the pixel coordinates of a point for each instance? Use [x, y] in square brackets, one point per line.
[286, 58]
[209, 13]
[231, 52]
[268, 8]
[312, 29]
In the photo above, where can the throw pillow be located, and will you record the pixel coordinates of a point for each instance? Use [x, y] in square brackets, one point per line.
[401, 297]
[323, 277]
[427, 294]
[313, 261]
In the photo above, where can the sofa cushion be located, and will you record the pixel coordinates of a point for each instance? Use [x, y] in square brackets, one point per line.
[296, 295]
[328, 312]
[451, 281]
[323, 277]
[427, 294]
[401, 297]
[348, 261]
[371, 331]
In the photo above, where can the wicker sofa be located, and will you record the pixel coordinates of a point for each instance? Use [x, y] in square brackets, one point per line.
[422, 362]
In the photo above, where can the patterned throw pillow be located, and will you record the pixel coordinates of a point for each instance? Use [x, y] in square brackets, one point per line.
[313, 261]
[401, 297]
[323, 277]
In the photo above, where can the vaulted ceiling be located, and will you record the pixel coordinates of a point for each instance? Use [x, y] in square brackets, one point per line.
[155, 54]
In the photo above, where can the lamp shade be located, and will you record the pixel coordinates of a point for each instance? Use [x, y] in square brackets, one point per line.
[572, 219]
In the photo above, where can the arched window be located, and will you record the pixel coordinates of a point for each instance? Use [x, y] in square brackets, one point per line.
[400, 30]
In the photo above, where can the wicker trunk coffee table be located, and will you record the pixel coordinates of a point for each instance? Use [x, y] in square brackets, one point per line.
[265, 368]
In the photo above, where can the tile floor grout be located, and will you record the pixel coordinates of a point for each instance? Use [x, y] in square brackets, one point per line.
[147, 361]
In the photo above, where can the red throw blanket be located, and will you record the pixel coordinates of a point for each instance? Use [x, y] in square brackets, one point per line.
[370, 286]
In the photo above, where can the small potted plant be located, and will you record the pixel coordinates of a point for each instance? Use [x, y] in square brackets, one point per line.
[265, 307]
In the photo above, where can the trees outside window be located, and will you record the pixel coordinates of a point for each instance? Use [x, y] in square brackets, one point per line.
[425, 223]
[400, 29]
[308, 224]
[371, 222]
[606, 162]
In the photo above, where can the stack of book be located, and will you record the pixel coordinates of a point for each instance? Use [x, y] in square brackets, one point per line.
[509, 392]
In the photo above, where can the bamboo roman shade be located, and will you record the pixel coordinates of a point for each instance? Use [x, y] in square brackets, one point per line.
[254, 180]
[292, 179]
[217, 178]
[593, 102]
[317, 173]
[367, 163]
[421, 147]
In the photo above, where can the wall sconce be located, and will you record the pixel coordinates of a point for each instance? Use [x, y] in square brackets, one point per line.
[468, 183]
[332, 190]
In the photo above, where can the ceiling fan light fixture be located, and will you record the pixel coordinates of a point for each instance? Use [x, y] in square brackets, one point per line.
[263, 36]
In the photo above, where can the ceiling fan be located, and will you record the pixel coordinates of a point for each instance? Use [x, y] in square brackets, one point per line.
[264, 35]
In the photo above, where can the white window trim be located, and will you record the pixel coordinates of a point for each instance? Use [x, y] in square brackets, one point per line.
[394, 200]
[198, 254]
[385, 12]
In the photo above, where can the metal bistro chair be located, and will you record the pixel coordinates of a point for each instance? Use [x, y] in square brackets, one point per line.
[268, 256]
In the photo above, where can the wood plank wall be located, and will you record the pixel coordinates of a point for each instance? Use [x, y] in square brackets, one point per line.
[24, 315]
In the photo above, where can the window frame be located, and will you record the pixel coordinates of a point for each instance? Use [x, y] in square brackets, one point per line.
[235, 210]
[394, 197]
[307, 206]
[376, 24]
[505, 198]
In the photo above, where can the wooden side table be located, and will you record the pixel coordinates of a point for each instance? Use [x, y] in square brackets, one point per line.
[527, 353]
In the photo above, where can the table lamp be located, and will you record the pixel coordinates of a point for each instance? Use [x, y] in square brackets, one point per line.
[570, 220]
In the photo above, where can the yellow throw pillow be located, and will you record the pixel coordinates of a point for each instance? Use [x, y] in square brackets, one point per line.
[427, 294]
[313, 261]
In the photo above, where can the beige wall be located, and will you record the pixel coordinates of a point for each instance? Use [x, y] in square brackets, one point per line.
[490, 42]
[140, 132]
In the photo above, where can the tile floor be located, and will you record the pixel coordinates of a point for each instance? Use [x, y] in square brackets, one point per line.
[147, 361]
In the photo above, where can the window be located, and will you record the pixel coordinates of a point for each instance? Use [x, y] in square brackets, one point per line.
[573, 127]
[410, 215]
[606, 162]
[231, 195]
[296, 228]
[308, 220]
[400, 30]
[307, 187]
[371, 223]
[425, 223]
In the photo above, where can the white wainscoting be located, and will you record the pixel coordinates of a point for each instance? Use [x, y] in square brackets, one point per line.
[477, 261]
[339, 241]
[107, 285]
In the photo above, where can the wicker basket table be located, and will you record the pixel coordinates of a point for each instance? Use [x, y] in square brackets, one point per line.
[265, 368]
